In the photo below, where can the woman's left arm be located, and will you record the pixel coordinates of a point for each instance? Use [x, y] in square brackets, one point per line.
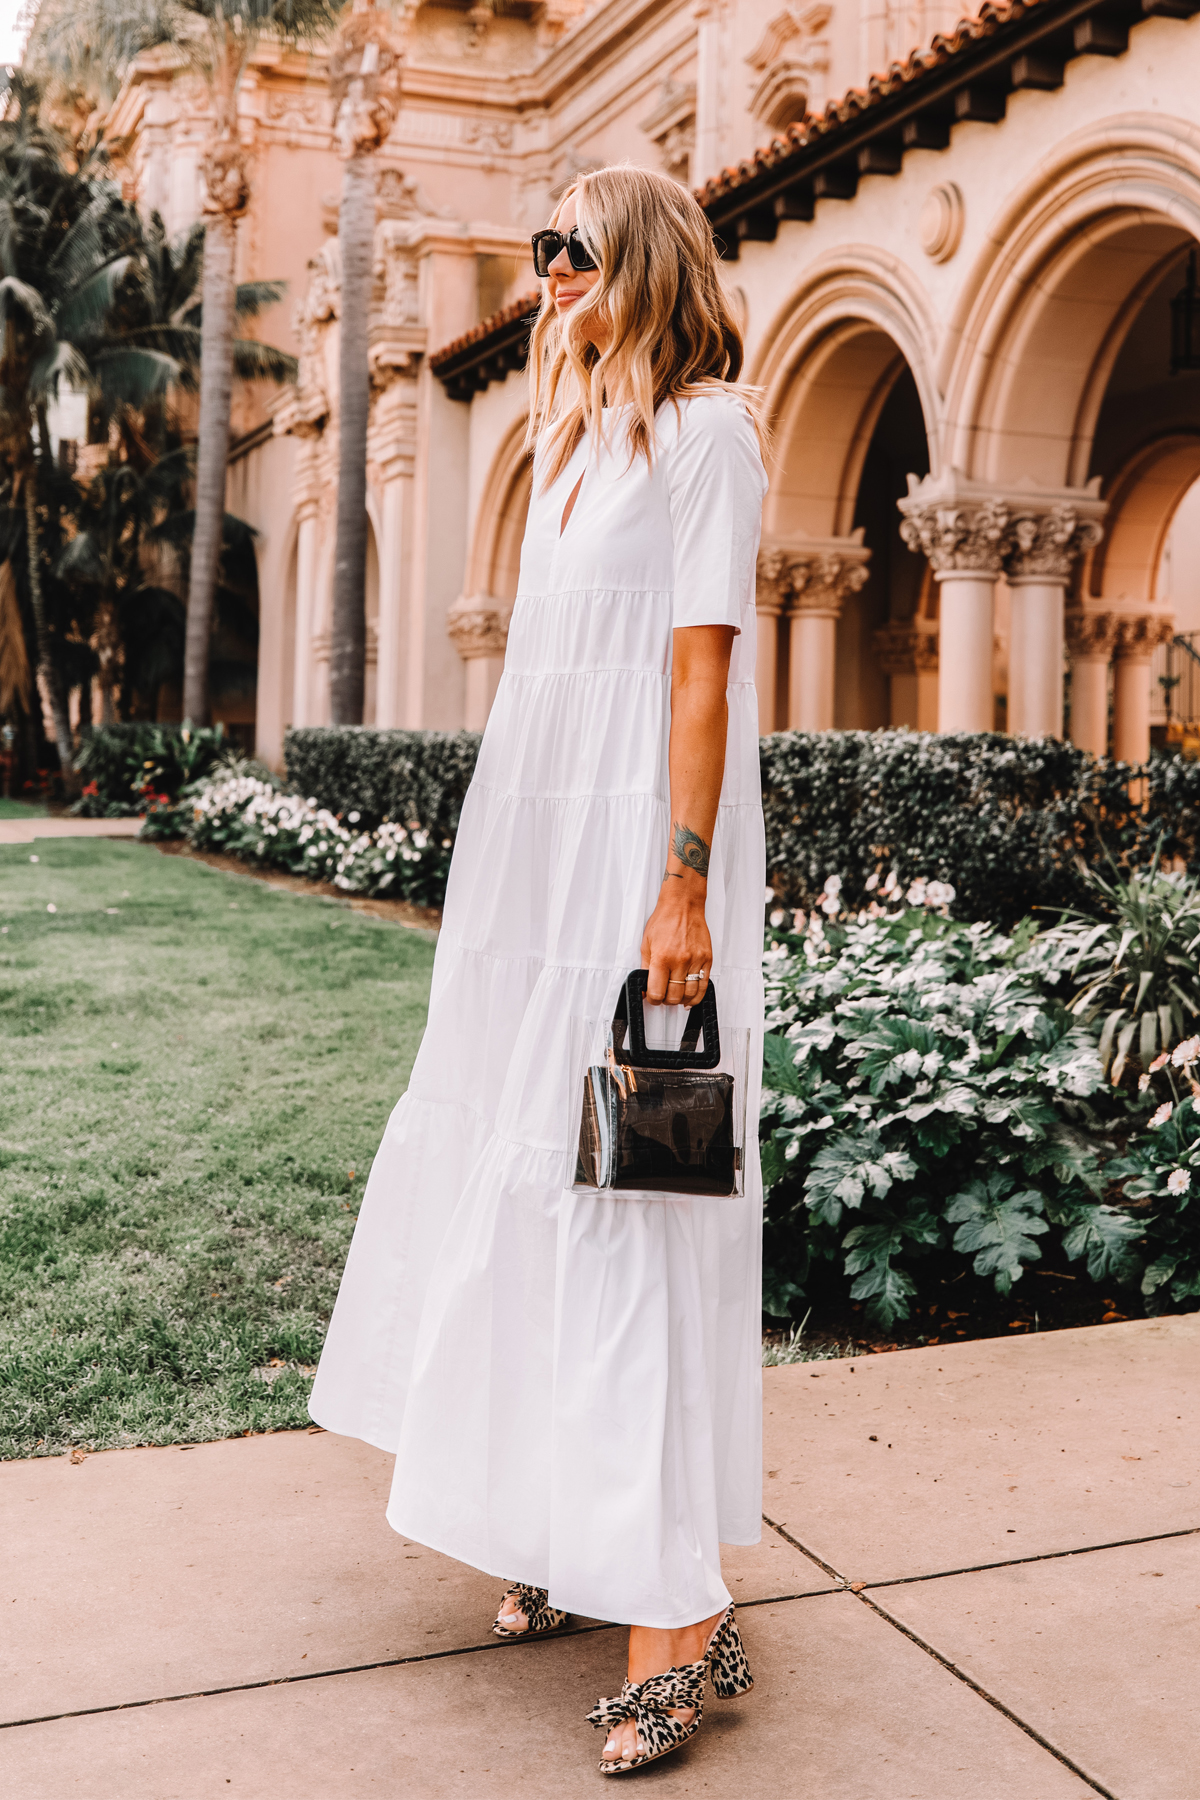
[676, 942]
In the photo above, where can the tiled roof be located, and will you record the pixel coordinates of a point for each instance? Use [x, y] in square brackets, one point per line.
[519, 309]
[851, 106]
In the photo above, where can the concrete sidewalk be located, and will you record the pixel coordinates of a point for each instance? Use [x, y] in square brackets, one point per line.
[979, 1580]
[27, 831]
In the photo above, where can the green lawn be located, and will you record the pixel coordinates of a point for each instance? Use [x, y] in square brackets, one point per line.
[194, 1064]
[21, 809]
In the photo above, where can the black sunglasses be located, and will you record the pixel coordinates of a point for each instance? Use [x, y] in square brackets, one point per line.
[547, 245]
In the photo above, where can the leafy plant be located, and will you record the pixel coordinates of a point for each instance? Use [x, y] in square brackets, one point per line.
[1161, 1176]
[926, 1089]
[1137, 968]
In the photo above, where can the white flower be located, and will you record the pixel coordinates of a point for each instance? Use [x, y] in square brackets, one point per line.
[1162, 1115]
[1186, 1052]
[833, 884]
[1143, 1083]
[778, 916]
[354, 817]
[1178, 1181]
[872, 882]
[767, 897]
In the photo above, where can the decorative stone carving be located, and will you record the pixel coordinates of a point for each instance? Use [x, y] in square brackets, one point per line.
[672, 126]
[1091, 636]
[1140, 634]
[956, 524]
[401, 196]
[965, 527]
[1042, 546]
[556, 17]
[791, 63]
[773, 587]
[811, 577]
[477, 625]
[941, 220]
[907, 649]
[365, 61]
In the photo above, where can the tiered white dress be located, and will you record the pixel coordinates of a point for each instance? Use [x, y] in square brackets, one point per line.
[571, 1383]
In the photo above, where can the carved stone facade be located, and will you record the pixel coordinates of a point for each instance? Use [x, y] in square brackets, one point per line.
[934, 299]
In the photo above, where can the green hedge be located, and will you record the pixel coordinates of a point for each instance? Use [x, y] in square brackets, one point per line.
[1004, 820]
[412, 777]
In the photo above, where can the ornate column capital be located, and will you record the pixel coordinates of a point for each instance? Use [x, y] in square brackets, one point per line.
[1048, 532]
[1090, 635]
[907, 649]
[477, 625]
[811, 576]
[1139, 635]
[957, 524]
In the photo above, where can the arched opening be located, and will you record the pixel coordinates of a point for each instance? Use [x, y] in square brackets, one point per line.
[840, 627]
[478, 622]
[1057, 377]
[880, 656]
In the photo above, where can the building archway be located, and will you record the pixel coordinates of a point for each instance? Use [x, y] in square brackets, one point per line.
[478, 621]
[846, 371]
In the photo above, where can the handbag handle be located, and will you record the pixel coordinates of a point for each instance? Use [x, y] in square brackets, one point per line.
[629, 1011]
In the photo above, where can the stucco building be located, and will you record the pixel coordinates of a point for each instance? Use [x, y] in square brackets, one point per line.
[964, 283]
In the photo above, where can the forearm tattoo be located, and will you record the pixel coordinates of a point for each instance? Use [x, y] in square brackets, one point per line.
[690, 848]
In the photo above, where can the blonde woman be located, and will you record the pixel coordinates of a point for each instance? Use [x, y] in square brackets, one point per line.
[571, 1382]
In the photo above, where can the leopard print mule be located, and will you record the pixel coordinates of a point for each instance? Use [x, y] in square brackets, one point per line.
[534, 1602]
[651, 1703]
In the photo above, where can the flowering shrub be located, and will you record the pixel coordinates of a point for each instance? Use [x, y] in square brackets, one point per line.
[926, 1090]
[142, 768]
[249, 817]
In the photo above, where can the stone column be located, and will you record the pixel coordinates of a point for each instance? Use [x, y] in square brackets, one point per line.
[478, 629]
[812, 577]
[706, 155]
[959, 525]
[304, 671]
[1090, 640]
[772, 592]
[908, 655]
[394, 456]
[1138, 636]
[1044, 537]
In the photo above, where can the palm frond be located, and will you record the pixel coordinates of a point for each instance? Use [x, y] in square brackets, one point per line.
[129, 376]
[256, 361]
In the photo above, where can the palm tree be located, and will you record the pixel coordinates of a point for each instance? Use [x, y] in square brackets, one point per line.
[219, 39]
[135, 512]
[66, 238]
[364, 80]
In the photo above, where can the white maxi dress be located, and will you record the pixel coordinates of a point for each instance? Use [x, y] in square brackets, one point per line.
[572, 1384]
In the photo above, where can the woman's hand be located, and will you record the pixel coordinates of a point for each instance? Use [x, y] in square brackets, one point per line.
[676, 943]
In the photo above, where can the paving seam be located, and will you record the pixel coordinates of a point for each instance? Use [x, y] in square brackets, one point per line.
[391, 1662]
[842, 1583]
[952, 1668]
[1031, 1731]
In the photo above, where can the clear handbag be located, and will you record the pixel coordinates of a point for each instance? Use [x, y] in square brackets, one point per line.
[654, 1120]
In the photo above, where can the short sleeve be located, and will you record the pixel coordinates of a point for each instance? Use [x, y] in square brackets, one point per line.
[716, 482]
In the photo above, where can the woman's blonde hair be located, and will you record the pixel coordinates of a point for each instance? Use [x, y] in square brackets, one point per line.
[670, 332]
